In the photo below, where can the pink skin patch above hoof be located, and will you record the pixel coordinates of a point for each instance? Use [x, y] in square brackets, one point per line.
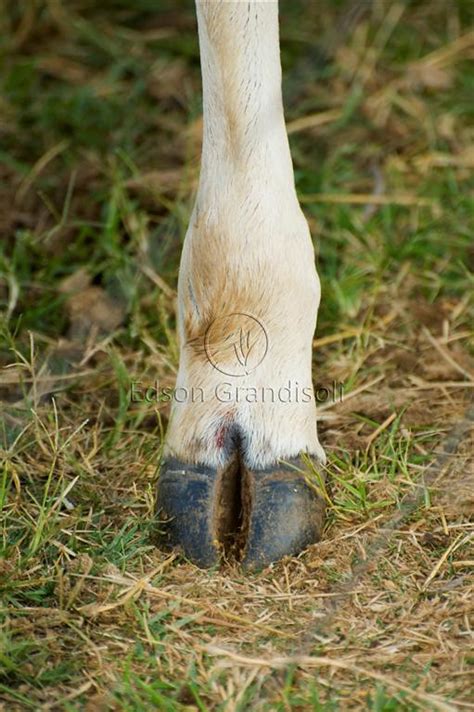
[220, 435]
[223, 430]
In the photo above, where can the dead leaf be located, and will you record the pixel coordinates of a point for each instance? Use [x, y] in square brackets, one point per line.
[166, 80]
[89, 306]
[75, 282]
[93, 308]
[430, 76]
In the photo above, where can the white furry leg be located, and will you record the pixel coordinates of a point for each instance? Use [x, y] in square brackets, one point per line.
[247, 318]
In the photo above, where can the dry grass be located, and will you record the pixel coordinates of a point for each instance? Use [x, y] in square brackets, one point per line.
[99, 134]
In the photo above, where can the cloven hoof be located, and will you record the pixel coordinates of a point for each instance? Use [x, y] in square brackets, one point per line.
[255, 517]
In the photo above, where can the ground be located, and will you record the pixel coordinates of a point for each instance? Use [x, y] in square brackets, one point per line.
[100, 127]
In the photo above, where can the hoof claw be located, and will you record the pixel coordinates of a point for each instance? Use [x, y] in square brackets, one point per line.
[184, 503]
[256, 516]
[286, 516]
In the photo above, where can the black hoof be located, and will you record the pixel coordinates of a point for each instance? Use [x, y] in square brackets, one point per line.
[286, 516]
[190, 505]
[255, 516]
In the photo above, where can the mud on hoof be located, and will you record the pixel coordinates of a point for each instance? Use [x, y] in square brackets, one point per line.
[256, 517]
